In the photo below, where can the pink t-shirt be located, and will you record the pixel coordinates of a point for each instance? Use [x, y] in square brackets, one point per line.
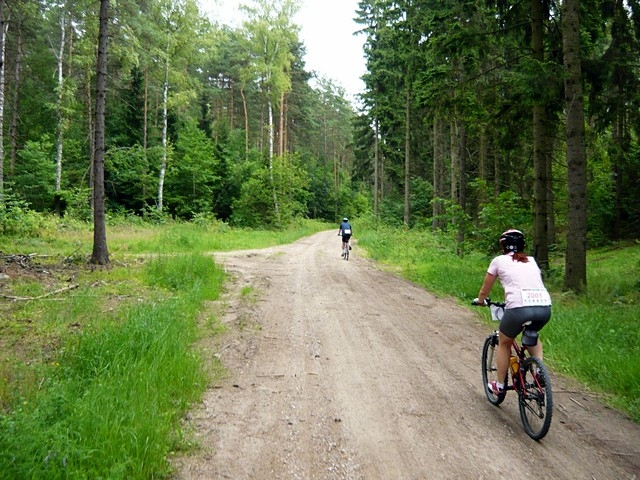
[522, 282]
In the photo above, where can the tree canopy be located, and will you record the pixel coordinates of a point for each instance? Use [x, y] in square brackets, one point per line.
[469, 122]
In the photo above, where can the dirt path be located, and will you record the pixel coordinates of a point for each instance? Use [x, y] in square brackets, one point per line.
[341, 371]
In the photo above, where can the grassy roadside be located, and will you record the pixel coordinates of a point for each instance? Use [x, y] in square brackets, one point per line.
[94, 379]
[595, 338]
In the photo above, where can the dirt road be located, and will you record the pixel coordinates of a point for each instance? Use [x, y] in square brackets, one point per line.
[338, 370]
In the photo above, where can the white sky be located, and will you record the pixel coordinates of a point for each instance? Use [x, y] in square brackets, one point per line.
[326, 28]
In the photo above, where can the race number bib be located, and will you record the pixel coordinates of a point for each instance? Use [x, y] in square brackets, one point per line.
[535, 296]
[346, 231]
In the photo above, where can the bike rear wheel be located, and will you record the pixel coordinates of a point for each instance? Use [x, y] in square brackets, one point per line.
[346, 253]
[535, 398]
[490, 368]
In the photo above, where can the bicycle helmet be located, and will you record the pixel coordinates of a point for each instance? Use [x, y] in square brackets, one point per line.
[512, 241]
[345, 219]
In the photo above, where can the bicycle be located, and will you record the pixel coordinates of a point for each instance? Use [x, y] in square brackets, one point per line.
[529, 378]
[345, 249]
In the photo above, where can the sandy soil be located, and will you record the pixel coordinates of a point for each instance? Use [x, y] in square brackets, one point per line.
[338, 370]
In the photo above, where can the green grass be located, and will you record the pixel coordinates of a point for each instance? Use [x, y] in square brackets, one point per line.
[594, 338]
[108, 402]
[188, 237]
[94, 381]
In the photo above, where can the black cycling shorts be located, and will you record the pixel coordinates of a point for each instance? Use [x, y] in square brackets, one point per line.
[346, 238]
[514, 318]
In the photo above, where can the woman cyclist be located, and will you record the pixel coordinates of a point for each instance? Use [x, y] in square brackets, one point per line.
[526, 297]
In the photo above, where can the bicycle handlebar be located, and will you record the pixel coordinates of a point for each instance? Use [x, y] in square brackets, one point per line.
[487, 302]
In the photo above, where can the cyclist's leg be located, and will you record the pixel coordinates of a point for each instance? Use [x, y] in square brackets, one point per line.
[509, 328]
[345, 242]
[503, 354]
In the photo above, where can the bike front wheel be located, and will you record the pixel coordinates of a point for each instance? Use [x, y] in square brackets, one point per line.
[490, 368]
[535, 398]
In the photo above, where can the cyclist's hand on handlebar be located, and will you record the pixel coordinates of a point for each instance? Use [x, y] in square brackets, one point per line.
[476, 302]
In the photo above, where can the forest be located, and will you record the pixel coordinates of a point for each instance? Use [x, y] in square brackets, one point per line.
[476, 117]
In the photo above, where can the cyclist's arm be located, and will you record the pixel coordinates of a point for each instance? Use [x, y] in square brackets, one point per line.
[486, 287]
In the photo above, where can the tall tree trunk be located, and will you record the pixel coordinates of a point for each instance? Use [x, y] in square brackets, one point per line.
[60, 114]
[91, 135]
[100, 254]
[438, 174]
[482, 164]
[455, 159]
[575, 277]
[617, 135]
[407, 158]
[3, 36]
[246, 125]
[540, 214]
[551, 128]
[281, 126]
[285, 131]
[376, 173]
[145, 113]
[276, 207]
[13, 133]
[163, 166]
[461, 134]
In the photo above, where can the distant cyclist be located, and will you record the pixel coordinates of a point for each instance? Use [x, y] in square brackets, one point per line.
[346, 232]
[526, 297]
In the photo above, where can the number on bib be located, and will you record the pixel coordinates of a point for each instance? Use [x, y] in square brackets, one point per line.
[535, 296]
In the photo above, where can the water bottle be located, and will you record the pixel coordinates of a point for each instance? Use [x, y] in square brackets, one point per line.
[513, 362]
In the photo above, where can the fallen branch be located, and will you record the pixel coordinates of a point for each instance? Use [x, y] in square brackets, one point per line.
[576, 402]
[39, 297]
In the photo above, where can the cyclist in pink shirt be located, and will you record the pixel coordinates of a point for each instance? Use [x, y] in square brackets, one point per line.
[526, 297]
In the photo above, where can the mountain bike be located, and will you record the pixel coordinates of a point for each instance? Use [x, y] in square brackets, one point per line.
[345, 250]
[529, 378]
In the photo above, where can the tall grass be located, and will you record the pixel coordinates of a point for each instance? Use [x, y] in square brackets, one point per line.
[109, 405]
[594, 338]
[194, 237]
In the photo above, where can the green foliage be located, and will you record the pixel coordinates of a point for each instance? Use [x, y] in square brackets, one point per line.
[601, 201]
[255, 207]
[130, 177]
[193, 182]
[35, 174]
[77, 204]
[498, 214]
[17, 219]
